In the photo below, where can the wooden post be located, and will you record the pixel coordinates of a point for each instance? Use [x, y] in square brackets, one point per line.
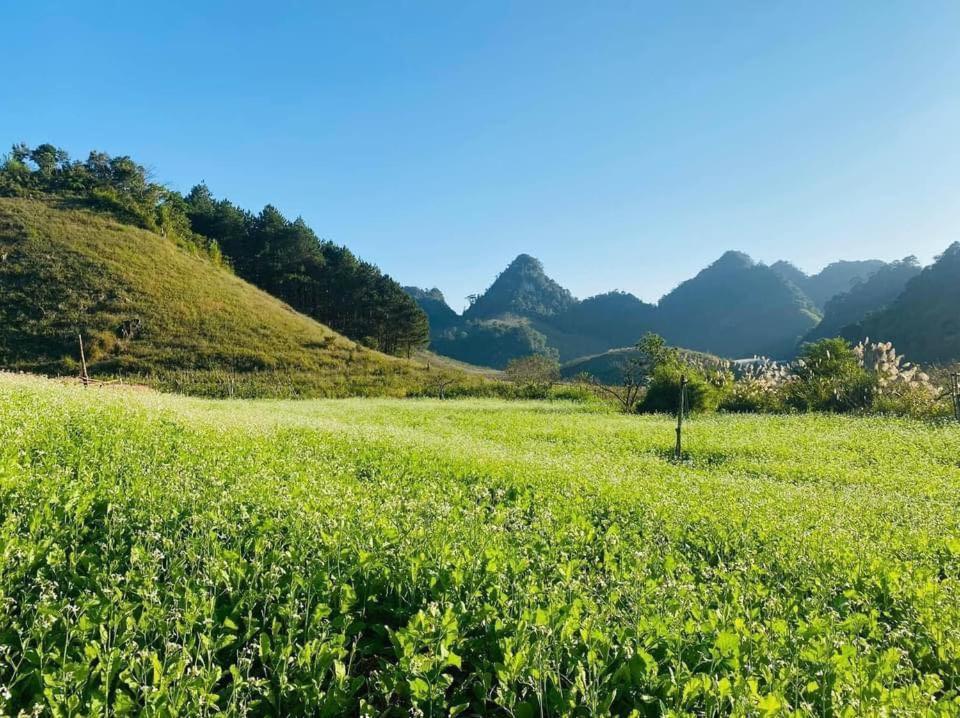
[955, 377]
[683, 396]
[83, 363]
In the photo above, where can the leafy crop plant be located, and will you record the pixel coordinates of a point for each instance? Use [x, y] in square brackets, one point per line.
[168, 556]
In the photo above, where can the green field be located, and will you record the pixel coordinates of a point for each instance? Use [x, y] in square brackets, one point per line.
[415, 557]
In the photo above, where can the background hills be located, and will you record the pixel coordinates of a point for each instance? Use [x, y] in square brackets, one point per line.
[834, 279]
[923, 321]
[161, 283]
[734, 308]
[870, 295]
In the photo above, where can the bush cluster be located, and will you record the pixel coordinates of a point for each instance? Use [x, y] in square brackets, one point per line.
[829, 375]
[833, 376]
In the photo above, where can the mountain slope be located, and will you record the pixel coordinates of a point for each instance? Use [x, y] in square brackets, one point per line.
[836, 278]
[618, 317]
[924, 321]
[440, 315]
[491, 342]
[736, 308]
[523, 290]
[147, 305]
[791, 273]
[871, 295]
[284, 258]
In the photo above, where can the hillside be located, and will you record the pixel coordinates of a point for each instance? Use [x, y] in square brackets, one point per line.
[285, 258]
[615, 318]
[149, 306]
[491, 342]
[607, 367]
[440, 315]
[870, 295]
[924, 321]
[836, 278]
[736, 308]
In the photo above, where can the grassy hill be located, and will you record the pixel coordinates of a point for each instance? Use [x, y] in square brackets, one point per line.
[150, 307]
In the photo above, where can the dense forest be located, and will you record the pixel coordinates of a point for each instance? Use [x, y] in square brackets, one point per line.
[283, 257]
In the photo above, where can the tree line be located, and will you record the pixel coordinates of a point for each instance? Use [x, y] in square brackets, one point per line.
[285, 258]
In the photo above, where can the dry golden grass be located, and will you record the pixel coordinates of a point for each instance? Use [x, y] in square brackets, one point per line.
[149, 307]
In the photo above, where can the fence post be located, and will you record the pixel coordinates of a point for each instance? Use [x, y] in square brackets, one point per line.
[683, 396]
[955, 377]
[83, 363]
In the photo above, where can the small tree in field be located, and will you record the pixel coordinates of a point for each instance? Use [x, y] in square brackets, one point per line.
[534, 374]
[633, 379]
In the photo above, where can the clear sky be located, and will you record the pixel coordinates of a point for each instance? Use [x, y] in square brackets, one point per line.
[624, 144]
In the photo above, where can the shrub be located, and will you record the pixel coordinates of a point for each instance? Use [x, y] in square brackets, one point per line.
[663, 391]
[573, 392]
[753, 396]
[829, 377]
[533, 375]
[912, 401]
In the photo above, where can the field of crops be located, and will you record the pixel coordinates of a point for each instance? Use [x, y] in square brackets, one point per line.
[179, 557]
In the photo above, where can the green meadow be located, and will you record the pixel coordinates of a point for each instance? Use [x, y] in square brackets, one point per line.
[169, 556]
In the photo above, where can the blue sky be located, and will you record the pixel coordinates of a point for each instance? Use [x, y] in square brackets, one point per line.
[624, 144]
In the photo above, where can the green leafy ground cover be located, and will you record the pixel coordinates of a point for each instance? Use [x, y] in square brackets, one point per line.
[177, 556]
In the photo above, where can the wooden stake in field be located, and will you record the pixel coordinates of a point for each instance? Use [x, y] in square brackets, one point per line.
[683, 400]
[955, 379]
[84, 377]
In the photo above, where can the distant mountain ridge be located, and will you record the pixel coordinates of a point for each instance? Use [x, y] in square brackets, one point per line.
[735, 307]
[836, 278]
[923, 322]
[873, 294]
[440, 315]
